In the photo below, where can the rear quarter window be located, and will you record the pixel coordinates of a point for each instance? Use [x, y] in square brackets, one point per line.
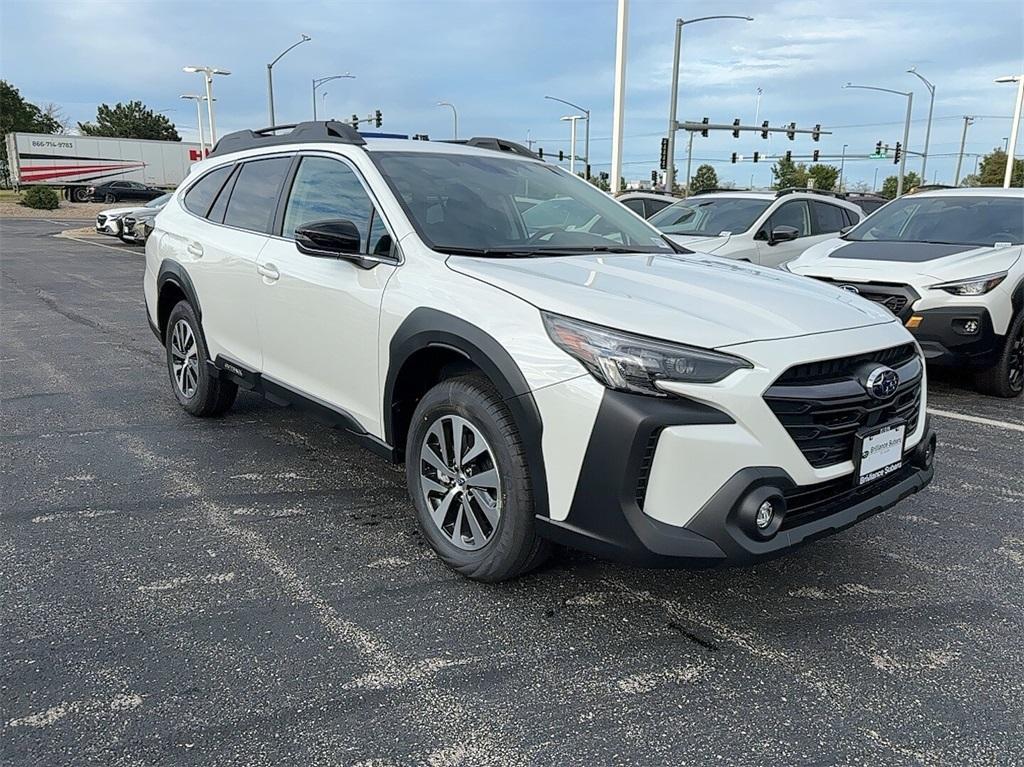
[202, 193]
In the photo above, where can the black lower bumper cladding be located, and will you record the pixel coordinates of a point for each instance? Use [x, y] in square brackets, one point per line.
[958, 336]
[606, 517]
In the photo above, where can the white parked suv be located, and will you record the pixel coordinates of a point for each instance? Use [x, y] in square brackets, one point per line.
[948, 263]
[603, 390]
[766, 228]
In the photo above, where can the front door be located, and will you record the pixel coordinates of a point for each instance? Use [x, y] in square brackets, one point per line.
[793, 213]
[319, 316]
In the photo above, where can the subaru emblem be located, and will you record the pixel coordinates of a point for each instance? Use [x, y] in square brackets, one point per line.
[882, 382]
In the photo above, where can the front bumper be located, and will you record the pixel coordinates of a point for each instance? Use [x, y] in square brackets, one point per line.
[957, 336]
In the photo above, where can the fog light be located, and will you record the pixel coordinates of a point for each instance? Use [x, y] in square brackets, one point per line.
[966, 326]
[765, 515]
[971, 326]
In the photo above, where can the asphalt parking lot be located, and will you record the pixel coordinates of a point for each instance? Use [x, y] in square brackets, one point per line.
[252, 591]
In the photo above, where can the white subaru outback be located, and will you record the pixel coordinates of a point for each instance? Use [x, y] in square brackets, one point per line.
[600, 388]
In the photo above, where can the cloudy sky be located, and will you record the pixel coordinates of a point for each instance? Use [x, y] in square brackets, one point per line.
[497, 60]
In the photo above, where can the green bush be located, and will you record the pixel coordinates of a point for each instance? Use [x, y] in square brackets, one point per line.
[40, 198]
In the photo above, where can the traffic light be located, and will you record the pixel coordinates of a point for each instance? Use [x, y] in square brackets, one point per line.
[561, 155]
[816, 133]
[791, 131]
[736, 128]
[764, 129]
[789, 156]
[377, 118]
[878, 147]
[704, 132]
[814, 155]
[355, 121]
[654, 177]
[664, 154]
[897, 153]
[540, 153]
[756, 156]
[733, 158]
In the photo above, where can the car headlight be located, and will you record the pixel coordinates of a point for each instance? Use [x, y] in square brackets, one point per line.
[632, 363]
[975, 286]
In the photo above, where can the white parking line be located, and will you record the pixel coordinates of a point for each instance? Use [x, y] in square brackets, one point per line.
[97, 244]
[977, 419]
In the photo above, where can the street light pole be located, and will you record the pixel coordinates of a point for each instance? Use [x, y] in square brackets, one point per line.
[318, 81]
[670, 172]
[842, 167]
[208, 73]
[1015, 127]
[199, 118]
[960, 157]
[572, 119]
[906, 128]
[928, 129]
[586, 133]
[619, 95]
[270, 75]
[455, 115]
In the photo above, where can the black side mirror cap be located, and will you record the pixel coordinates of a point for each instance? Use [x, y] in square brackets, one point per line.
[335, 238]
[783, 234]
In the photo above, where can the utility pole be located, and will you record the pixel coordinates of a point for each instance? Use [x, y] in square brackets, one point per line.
[674, 96]
[619, 100]
[968, 120]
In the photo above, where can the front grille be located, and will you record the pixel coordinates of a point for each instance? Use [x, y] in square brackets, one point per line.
[644, 473]
[822, 405]
[101, 220]
[895, 297]
[807, 503]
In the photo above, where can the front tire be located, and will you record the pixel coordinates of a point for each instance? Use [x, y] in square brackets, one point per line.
[109, 198]
[1006, 377]
[467, 475]
[196, 389]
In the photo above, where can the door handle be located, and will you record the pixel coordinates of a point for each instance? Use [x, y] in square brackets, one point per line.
[268, 271]
[195, 249]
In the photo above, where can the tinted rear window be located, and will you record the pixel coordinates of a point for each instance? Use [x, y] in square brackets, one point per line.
[198, 198]
[254, 198]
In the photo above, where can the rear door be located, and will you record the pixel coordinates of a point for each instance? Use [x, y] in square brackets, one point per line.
[319, 316]
[794, 213]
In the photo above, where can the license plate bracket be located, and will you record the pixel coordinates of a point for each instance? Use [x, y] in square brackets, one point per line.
[878, 451]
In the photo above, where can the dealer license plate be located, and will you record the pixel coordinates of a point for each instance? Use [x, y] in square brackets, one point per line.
[879, 452]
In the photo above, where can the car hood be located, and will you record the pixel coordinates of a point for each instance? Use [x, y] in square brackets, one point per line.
[700, 242]
[110, 212]
[690, 298]
[902, 261]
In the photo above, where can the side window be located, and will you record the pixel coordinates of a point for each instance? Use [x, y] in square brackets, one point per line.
[793, 213]
[380, 239]
[198, 198]
[635, 205]
[254, 197]
[220, 205]
[327, 189]
[828, 218]
[851, 217]
[653, 206]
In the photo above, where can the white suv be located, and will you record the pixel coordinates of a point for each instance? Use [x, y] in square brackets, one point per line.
[767, 228]
[949, 264]
[596, 388]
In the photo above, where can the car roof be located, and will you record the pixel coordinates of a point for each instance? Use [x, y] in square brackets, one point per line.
[974, 191]
[647, 195]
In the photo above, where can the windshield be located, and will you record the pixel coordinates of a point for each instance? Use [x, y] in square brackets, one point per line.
[499, 206]
[710, 217]
[953, 220]
[159, 201]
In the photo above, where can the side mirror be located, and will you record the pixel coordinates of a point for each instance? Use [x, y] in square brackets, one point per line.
[337, 238]
[783, 234]
[845, 229]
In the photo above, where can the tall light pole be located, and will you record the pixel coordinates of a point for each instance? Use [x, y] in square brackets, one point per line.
[670, 171]
[963, 141]
[586, 132]
[906, 128]
[619, 95]
[318, 81]
[455, 115]
[199, 118]
[928, 130]
[208, 73]
[1015, 128]
[323, 101]
[572, 120]
[270, 75]
[842, 167]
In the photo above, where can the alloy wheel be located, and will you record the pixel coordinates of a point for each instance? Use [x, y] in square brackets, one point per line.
[184, 359]
[1015, 368]
[460, 482]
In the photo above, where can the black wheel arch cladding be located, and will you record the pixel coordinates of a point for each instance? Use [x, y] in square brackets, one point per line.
[426, 328]
[171, 272]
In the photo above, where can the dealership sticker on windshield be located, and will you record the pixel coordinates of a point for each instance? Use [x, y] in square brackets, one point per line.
[879, 453]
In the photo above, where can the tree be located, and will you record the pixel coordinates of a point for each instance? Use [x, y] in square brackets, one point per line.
[992, 169]
[788, 173]
[18, 115]
[825, 176]
[910, 180]
[131, 120]
[704, 178]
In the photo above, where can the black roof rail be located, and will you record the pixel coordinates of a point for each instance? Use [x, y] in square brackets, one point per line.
[809, 190]
[716, 190]
[496, 144]
[321, 130]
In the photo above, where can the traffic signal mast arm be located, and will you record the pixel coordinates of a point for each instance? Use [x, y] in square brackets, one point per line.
[790, 130]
